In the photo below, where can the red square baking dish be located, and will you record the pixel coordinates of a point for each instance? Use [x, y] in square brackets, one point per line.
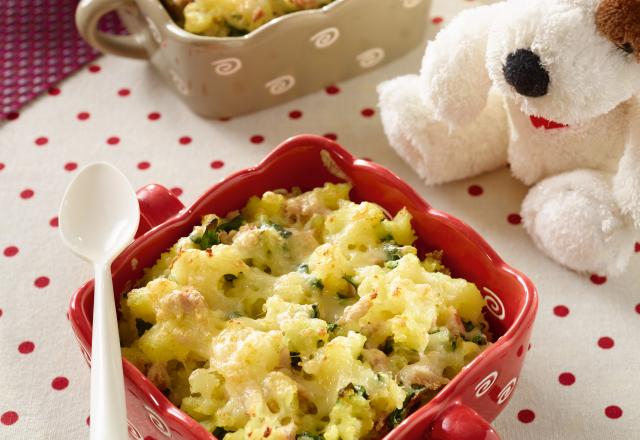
[462, 410]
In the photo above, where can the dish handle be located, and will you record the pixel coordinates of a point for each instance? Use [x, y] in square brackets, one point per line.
[88, 15]
[157, 204]
[459, 422]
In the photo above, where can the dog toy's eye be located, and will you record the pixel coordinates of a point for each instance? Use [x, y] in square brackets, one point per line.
[626, 47]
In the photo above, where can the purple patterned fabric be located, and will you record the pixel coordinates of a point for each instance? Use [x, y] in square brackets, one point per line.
[40, 46]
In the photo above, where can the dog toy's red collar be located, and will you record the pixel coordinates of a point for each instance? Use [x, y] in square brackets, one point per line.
[538, 122]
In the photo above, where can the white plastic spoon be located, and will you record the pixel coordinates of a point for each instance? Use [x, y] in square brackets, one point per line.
[99, 216]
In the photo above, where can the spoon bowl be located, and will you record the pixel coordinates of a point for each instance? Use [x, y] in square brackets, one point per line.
[99, 213]
[99, 217]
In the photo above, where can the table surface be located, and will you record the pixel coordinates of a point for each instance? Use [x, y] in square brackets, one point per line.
[580, 380]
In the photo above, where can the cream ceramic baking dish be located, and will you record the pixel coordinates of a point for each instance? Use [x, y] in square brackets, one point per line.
[288, 57]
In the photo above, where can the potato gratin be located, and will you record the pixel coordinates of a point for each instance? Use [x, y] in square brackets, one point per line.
[304, 316]
[224, 18]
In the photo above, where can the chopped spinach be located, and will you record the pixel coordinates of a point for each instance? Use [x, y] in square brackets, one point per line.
[315, 311]
[391, 264]
[387, 237]
[454, 344]
[295, 360]
[479, 339]
[210, 236]
[468, 326]
[142, 326]
[332, 327]
[399, 414]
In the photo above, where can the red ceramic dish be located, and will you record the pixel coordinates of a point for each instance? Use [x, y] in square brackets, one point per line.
[461, 411]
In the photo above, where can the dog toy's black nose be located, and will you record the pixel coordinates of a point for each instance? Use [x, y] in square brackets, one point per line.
[525, 72]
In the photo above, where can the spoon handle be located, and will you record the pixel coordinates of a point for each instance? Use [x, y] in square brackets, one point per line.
[108, 410]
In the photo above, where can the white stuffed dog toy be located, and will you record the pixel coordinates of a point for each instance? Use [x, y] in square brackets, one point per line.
[547, 86]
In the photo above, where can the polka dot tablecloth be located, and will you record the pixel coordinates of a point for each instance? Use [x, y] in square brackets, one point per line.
[580, 380]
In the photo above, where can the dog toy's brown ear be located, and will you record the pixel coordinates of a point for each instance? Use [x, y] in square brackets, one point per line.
[619, 21]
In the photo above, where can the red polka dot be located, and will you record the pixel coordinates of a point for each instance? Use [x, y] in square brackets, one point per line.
[185, 140]
[2, 165]
[53, 91]
[70, 166]
[638, 308]
[567, 379]
[177, 191]
[9, 418]
[331, 136]
[526, 416]
[153, 116]
[295, 114]
[368, 112]
[26, 347]
[475, 190]
[217, 164]
[637, 247]
[332, 90]
[144, 165]
[605, 343]
[1, 312]
[94, 68]
[26, 194]
[41, 282]
[124, 92]
[613, 412]
[12, 116]
[88, 421]
[561, 311]
[59, 383]
[42, 140]
[113, 140]
[598, 280]
[10, 251]
[437, 20]
[257, 139]
[83, 116]
[514, 219]
[53, 222]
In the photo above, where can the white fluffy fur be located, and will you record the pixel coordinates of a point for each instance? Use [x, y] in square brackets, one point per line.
[460, 118]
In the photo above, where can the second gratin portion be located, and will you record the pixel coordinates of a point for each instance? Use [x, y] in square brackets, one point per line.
[304, 315]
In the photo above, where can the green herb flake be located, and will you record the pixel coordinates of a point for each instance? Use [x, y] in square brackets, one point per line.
[361, 391]
[454, 344]
[392, 252]
[468, 326]
[317, 283]
[232, 224]
[332, 327]
[220, 432]
[479, 339]
[349, 279]
[391, 264]
[295, 360]
[303, 268]
[396, 416]
[315, 311]
[142, 326]
[284, 233]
